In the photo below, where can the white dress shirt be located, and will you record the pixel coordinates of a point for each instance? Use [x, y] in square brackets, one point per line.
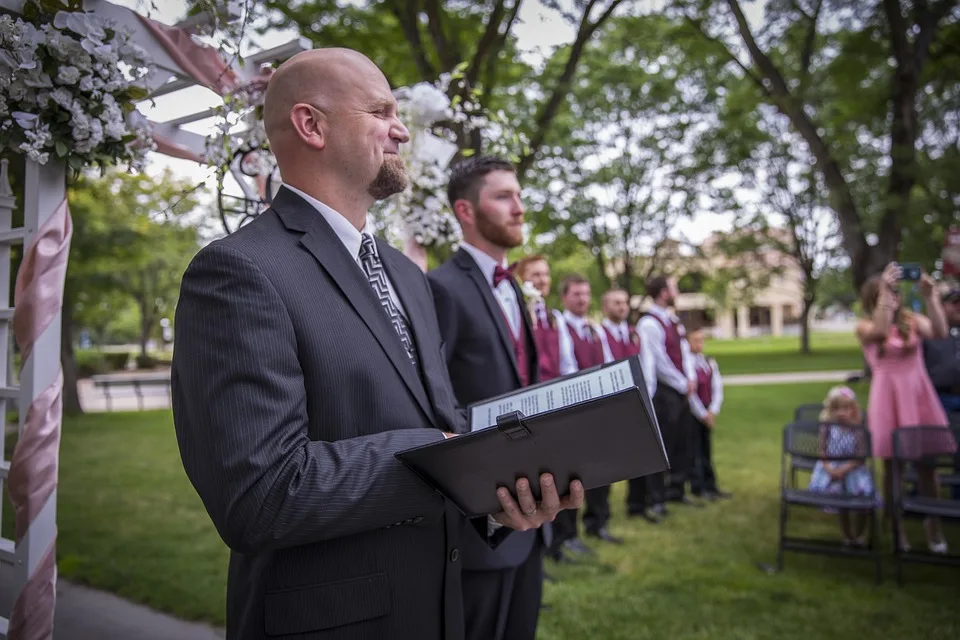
[504, 292]
[716, 383]
[568, 359]
[349, 236]
[656, 364]
[621, 331]
[580, 326]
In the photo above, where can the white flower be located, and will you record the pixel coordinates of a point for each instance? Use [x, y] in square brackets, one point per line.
[86, 83]
[68, 75]
[530, 293]
[25, 120]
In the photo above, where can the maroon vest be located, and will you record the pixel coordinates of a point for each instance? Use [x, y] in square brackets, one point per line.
[519, 349]
[548, 347]
[589, 353]
[620, 350]
[705, 385]
[672, 332]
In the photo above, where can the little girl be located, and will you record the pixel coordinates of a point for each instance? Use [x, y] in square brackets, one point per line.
[840, 437]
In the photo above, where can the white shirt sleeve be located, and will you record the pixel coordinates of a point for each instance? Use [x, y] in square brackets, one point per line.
[607, 354]
[568, 361]
[697, 408]
[717, 399]
[651, 337]
[689, 362]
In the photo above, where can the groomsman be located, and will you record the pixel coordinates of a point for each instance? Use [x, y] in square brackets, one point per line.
[589, 351]
[490, 350]
[705, 405]
[666, 356]
[620, 340]
[556, 358]
[554, 347]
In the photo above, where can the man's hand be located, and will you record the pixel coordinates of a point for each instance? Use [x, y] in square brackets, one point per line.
[708, 420]
[526, 513]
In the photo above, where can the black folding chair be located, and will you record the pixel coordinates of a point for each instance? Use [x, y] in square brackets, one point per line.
[808, 441]
[924, 447]
[809, 414]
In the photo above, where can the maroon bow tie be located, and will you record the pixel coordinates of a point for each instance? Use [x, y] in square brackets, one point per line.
[500, 274]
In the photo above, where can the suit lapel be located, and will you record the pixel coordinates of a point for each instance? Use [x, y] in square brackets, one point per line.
[321, 241]
[466, 262]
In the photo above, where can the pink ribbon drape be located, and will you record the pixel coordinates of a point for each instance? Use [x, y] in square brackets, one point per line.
[38, 298]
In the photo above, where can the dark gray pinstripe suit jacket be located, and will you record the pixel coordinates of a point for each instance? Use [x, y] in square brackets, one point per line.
[291, 393]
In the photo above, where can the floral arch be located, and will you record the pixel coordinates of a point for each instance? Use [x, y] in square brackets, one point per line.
[72, 74]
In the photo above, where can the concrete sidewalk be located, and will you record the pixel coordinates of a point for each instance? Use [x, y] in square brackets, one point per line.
[89, 614]
[743, 380]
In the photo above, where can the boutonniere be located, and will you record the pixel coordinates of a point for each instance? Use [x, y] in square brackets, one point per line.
[531, 295]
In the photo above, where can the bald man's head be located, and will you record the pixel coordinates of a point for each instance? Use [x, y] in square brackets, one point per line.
[330, 112]
[616, 305]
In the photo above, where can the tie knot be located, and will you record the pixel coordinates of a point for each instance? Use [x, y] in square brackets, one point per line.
[368, 247]
[500, 274]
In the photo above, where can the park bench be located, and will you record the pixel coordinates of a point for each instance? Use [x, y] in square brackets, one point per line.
[111, 384]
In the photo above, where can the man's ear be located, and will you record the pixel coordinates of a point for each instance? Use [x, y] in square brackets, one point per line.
[308, 123]
[463, 210]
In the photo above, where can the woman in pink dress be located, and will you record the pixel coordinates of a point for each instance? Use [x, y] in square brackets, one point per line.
[901, 394]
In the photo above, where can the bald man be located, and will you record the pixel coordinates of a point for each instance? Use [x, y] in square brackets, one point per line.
[307, 354]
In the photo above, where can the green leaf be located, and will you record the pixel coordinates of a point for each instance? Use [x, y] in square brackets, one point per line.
[61, 148]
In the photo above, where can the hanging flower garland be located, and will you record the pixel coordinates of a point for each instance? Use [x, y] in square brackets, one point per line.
[68, 88]
[436, 122]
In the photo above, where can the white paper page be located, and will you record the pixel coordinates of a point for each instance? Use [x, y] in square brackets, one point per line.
[562, 393]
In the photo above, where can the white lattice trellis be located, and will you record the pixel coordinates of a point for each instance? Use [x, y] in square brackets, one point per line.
[44, 190]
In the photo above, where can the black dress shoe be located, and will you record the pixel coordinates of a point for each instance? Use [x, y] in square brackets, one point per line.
[690, 502]
[659, 510]
[649, 515]
[560, 557]
[575, 545]
[605, 535]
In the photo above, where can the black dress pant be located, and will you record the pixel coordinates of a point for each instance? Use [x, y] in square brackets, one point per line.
[681, 445]
[673, 416]
[597, 514]
[504, 604]
[703, 480]
[564, 527]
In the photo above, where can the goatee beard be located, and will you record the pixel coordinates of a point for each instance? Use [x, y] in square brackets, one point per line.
[391, 179]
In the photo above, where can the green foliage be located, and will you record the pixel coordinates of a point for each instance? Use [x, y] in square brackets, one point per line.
[130, 247]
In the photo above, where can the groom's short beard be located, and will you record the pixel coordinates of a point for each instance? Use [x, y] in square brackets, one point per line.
[391, 179]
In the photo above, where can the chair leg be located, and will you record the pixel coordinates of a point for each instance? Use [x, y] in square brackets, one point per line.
[875, 544]
[896, 524]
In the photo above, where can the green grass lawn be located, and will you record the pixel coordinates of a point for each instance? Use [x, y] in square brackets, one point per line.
[830, 352]
[130, 523]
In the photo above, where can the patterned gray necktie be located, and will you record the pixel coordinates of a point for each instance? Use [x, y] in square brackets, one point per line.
[377, 277]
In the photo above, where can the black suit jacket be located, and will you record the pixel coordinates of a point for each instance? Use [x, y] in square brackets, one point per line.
[291, 393]
[482, 364]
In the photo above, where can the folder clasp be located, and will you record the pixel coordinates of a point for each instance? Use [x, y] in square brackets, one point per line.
[511, 425]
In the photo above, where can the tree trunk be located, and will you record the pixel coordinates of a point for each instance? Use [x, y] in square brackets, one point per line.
[805, 326]
[146, 324]
[71, 395]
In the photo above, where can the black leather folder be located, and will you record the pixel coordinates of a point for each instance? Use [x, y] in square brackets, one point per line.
[606, 438]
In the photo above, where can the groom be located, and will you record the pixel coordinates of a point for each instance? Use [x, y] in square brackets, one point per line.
[307, 355]
[490, 350]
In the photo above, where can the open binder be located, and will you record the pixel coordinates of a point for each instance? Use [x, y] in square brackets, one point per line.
[596, 425]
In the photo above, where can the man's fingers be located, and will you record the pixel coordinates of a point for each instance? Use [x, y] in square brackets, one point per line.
[549, 500]
[573, 500]
[511, 516]
[528, 504]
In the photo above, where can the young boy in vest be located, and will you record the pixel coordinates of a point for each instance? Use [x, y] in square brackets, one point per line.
[705, 404]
